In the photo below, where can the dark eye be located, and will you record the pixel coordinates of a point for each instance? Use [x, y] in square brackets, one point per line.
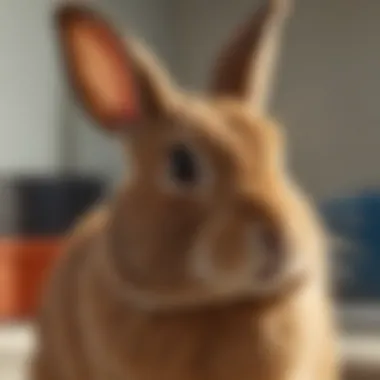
[183, 165]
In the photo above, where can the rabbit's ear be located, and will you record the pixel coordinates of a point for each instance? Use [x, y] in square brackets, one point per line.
[246, 66]
[117, 81]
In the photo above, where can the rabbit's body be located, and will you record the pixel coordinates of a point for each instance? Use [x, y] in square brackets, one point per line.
[209, 263]
[91, 332]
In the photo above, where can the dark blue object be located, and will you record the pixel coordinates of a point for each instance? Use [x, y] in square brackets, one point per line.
[47, 205]
[357, 220]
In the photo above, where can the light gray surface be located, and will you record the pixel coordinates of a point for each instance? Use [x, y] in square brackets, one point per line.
[17, 341]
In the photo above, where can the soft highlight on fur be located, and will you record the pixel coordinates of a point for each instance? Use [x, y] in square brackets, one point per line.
[222, 278]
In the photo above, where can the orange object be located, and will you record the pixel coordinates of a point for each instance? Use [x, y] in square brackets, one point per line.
[25, 264]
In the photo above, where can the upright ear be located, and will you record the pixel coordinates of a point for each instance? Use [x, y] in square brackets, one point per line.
[246, 66]
[117, 81]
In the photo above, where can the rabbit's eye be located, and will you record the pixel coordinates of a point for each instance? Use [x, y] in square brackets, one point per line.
[183, 165]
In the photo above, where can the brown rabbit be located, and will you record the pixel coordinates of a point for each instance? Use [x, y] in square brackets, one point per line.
[209, 262]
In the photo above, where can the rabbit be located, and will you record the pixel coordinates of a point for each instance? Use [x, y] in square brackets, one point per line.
[208, 262]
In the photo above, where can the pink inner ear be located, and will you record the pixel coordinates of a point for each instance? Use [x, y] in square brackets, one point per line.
[102, 72]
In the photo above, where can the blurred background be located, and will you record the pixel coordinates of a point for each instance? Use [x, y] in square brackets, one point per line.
[54, 165]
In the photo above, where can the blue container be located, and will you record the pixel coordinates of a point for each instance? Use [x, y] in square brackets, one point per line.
[357, 220]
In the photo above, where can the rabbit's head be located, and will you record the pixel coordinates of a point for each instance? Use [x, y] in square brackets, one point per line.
[207, 210]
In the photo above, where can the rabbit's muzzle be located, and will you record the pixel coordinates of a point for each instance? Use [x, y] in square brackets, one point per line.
[255, 248]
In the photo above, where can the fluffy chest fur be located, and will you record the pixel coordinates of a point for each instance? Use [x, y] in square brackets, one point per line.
[242, 341]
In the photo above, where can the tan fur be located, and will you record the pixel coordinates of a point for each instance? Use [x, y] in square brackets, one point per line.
[166, 282]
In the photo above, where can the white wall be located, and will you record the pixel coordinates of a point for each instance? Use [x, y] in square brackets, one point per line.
[29, 88]
[328, 90]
